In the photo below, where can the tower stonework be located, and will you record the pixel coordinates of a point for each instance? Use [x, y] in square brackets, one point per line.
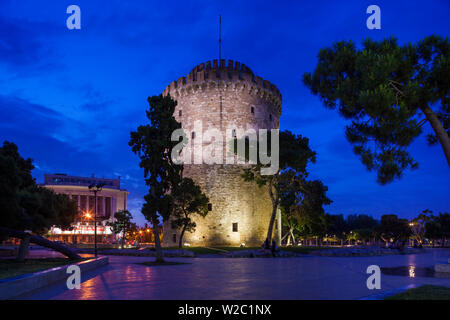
[225, 96]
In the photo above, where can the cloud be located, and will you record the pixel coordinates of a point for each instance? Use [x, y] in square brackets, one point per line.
[17, 45]
[19, 113]
[44, 135]
[22, 43]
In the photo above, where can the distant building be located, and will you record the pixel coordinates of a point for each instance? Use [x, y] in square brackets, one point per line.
[110, 200]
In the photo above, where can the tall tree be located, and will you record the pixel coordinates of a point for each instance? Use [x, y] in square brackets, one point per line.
[153, 143]
[312, 214]
[10, 183]
[24, 166]
[289, 217]
[438, 227]
[361, 221]
[338, 227]
[27, 206]
[294, 156]
[418, 225]
[132, 233]
[433, 230]
[362, 234]
[121, 223]
[362, 227]
[444, 221]
[388, 91]
[395, 230]
[290, 213]
[189, 200]
[291, 196]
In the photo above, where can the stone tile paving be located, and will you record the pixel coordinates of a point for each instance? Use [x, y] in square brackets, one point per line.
[308, 277]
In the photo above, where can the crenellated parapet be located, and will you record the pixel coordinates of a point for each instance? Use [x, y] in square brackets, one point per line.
[214, 75]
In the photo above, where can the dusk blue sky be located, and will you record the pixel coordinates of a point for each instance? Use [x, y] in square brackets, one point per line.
[69, 98]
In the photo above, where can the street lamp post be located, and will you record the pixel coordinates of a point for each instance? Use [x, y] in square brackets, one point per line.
[95, 188]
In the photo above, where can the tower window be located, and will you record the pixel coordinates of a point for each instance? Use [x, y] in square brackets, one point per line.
[270, 116]
[235, 227]
[233, 133]
[209, 206]
[174, 238]
[193, 135]
[252, 110]
[180, 113]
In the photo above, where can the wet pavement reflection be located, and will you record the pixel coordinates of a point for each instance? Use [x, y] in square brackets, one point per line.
[306, 277]
[413, 271]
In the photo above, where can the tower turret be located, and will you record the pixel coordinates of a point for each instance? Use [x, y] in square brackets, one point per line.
[225, 96]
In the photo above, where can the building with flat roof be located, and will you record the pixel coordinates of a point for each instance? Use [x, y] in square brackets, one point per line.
[109, 200]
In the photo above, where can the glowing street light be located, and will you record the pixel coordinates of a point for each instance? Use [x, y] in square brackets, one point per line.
[95, 188]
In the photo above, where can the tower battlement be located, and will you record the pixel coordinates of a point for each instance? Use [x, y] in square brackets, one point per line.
[227, 76]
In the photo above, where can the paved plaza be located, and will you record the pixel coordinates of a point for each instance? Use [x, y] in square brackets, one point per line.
[306, 277]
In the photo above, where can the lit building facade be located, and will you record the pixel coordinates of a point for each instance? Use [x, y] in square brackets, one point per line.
[109, 200]
[227, 97]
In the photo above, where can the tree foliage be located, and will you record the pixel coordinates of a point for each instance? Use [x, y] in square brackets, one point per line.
[394, 230]
[301, 203]
[360, 227]
[361, 221]
[388, 91]
[294, 156]
[153, 144]
[311, 212]
[121, 224]
[338, 226]
[418, 225]
[189, 200]
[25, 205]
[437, 227]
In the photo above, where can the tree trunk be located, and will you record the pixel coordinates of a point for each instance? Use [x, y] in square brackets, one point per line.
[158, 249]
[274, 199]
[40, 241]
[180, 242]
[271, 223]
[342, 242]
[288, 234]
[439, 130]
[123, 238]
[293, 238]
[23, 249]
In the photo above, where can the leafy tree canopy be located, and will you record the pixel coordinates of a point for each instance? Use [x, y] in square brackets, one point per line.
[361, 221]
[294, 156]
[122, 223]
[393, 228]
[25, 205]
[388, 91]
[189, 200]
[153, 143]
[301, 203]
